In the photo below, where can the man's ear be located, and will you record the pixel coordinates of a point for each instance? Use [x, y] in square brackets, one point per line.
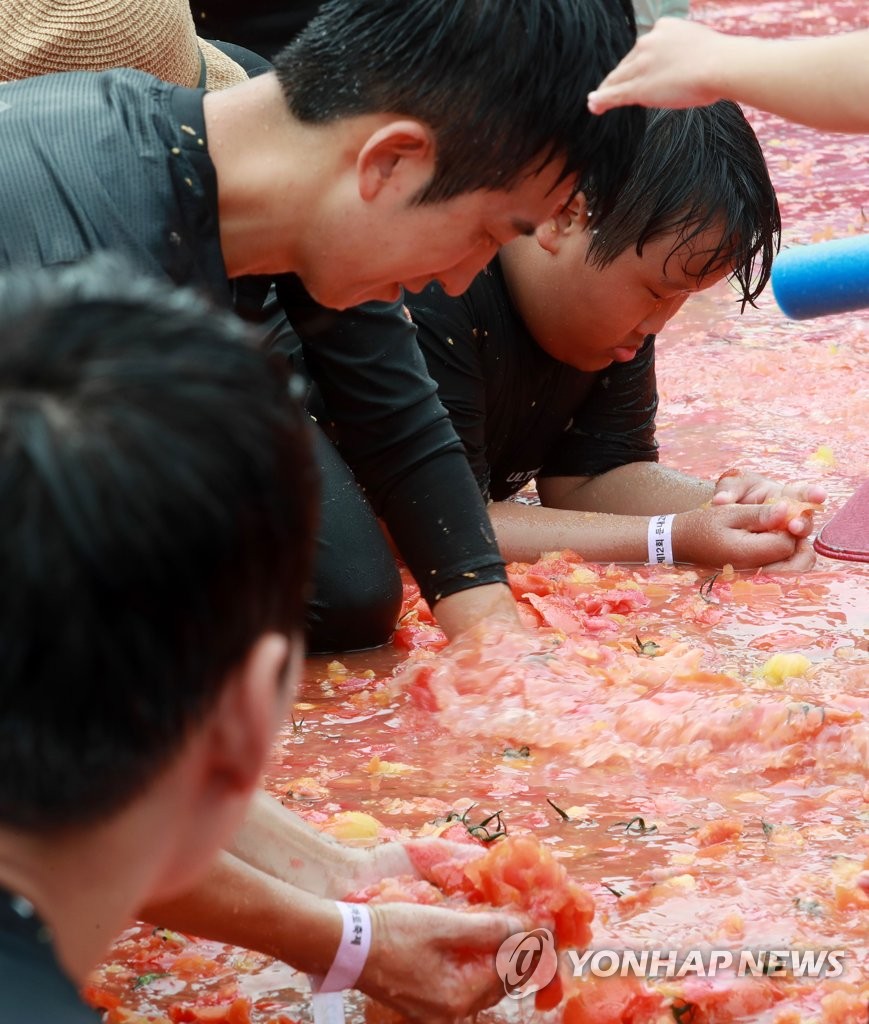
[242, 724]
[567, 220]
[399, 156]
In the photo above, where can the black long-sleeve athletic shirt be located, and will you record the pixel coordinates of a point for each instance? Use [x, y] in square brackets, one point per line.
[520, 413]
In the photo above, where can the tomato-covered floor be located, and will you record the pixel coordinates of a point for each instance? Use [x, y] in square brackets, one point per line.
[705, 736]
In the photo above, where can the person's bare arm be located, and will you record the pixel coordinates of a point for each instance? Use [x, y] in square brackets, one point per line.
[744, 536]
[276, 841]
[637, 488]
[822, 82]
[605, 518]
[238, 904]
[649, 488]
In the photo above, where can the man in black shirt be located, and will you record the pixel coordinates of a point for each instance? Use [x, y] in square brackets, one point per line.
[310, 180]
[547, 366]
[157, 516]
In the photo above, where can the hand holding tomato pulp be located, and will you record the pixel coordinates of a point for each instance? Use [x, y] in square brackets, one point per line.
[516, 872]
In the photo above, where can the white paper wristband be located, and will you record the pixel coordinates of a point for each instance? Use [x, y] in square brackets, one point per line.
[352, 950]
[327, 1003]
[327, 1007]
[660, 539]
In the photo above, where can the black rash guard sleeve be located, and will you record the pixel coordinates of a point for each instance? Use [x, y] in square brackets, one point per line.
[448, 339]
[397, 438]
[615, 424]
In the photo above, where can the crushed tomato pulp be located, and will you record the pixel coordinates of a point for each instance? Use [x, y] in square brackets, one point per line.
[678, 751]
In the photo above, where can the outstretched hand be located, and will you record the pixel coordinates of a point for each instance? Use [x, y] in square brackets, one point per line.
[668, 67]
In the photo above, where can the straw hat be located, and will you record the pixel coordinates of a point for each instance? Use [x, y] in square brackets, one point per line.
[38, 37]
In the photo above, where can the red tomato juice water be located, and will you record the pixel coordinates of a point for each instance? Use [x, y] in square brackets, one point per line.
[692, 746]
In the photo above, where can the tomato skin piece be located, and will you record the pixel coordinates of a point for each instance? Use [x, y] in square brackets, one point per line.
[180, 1014]
[719, 831]
[412, 636]
[421, 693]
[191, 966]
[573, 1013]
[548, 997]
[519, 871]
[523, 583]
[529, 618]
[236, 1012]
[121, 1016]
[239, 1012]
[447, 875]
[612, 1001]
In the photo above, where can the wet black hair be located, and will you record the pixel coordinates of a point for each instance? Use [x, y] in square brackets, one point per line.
[157, 505]
[697, 169]
[502, 83]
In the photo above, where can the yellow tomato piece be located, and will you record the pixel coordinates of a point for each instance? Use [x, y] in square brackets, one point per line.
[785, 835]
[378, 767]
[751, 796]
[748, 592]
[683, 858]
[822, 456]
[306, 788]
[733, 925]
[352, 825]
[781, 667]
[577, 813]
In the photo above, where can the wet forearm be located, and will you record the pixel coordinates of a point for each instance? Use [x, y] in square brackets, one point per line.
[636, 489]
[822, 82]
[280, 843]
[525, 532]
[603, 518]
[238, 904]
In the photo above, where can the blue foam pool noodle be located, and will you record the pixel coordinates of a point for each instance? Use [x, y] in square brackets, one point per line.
[824, 278]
